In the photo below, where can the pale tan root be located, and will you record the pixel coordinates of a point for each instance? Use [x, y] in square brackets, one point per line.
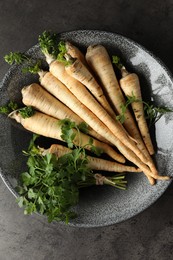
[81, 73]
[93, 162]
[131, 86]
[34, 95]
[98, 59]
[48, 126]
[74, 52]
[133, 158]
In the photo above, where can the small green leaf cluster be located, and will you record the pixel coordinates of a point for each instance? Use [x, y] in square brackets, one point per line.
[63, 56]
[26, 112]
[154, 113]
[68, 134]
[62, 51]
[48, 43]
[32, 66]
[67, 130]
[15, 57]
[130, 99]
[11, 106]
[8, 108]
[117, 61]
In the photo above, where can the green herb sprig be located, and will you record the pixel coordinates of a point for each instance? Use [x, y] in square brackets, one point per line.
[16, 57]
[152, 113]
[130, 99]
[61, 52]
[8, 108]
[63, 57]
[68, 134]
[12, 106]
[117, 61]
[31, 65]
[48, 43]
[51, 47]
[26, 112]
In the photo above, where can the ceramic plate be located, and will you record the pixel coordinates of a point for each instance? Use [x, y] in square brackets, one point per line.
[100, 206]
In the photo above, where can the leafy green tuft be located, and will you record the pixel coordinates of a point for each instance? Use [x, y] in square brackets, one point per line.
[51, 185]
[62, 55]
[152, 113]
[48, 43]
[117, 61]
[68, 134]
[33, 67]
[8, 108]
[26, 112]
[11, 106]
[67, 129]
[130, 99]
[83, 127]
[15, 58]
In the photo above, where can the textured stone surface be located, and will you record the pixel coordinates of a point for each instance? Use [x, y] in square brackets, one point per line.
[149, 235]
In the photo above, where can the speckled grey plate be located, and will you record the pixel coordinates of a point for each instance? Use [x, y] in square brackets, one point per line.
[100, 206]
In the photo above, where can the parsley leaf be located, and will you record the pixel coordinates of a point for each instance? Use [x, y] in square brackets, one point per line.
[152, 113]
[68, 135]
[26, 112]
[8, 108]
[15, 57]
[117, 61]
[48, 43]
[33, 67]
[83, 127]
[130, 99]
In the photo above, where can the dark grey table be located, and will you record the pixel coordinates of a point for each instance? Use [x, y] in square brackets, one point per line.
[149, 235]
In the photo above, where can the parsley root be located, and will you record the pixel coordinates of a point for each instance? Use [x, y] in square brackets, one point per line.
[95, 163]
[131, 86]
[48, 126]
[81, 73]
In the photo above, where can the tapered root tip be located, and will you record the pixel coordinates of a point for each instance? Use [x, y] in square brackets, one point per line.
[15, 115]
[165, 178]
